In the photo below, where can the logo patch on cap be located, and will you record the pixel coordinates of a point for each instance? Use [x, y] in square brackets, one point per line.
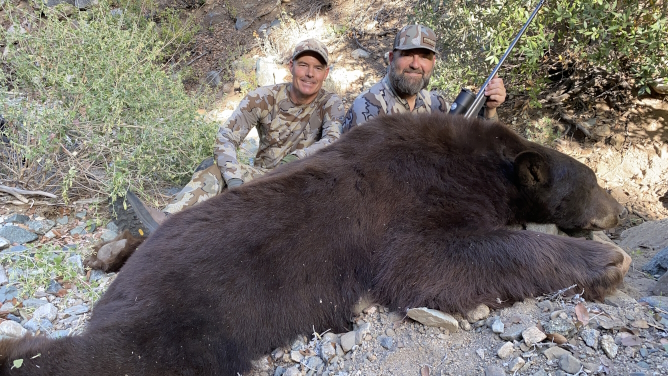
[429, 42]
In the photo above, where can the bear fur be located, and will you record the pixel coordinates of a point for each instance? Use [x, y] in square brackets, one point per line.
[405, 211]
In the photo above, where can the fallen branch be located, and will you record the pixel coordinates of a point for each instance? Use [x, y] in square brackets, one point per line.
[18, 193]
[572, 121]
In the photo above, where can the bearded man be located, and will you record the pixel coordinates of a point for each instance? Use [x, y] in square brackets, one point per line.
[403, 89]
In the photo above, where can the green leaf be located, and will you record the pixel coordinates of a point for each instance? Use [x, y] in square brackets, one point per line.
[17, 363]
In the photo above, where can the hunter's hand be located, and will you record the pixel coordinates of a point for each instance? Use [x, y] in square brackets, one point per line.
[495, 92]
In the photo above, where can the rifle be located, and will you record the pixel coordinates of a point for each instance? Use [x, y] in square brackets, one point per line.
[471, 105]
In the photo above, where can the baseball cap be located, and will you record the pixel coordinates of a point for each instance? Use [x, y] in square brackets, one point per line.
[415, 36]
[311, 45]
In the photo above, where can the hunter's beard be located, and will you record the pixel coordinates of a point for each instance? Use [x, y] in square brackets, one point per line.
[405, 86]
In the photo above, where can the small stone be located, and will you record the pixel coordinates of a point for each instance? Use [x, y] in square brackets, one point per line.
[96, 275]
[619, 299]
[80, 215]
[555, 352]
[481, 353]
[569, 364]
[389, 332]
[17, 218]
[478, 313]
[494, 371]
[111, 226]
[241, 23]
[60, 333]
[590, 337]
[432, 317]
[47, 311]
[277, 354]
[41, 227]
[513, 332]
[108, 235]
[516, 364]
[292, 371]
[327, 351]
[4, 243]
[15, 234]
[53, 288]
[12, 329]
[76, 262]
[16, 249]
[33, 303]
[497, 327]
[296, 356]
[79, 230]
[359, 54]
[533, 335]
[565, 327]
[3, 276]
[386, 341]
[465, 325]
[348, 341]
[62, 220]
[506, 350]
[76, 310]
[50, 235]
[609, 347]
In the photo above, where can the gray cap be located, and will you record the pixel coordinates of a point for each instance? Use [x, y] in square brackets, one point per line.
[415, 36]
[311, 45]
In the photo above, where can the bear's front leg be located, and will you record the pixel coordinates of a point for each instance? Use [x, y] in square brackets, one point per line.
[497, 268]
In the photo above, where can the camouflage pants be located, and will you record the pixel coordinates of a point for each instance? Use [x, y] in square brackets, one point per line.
[206, 184]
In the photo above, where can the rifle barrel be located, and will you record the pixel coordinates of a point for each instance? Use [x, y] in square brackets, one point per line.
[480, 98]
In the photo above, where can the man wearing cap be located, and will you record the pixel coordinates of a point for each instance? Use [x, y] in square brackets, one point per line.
[293, 120]
[403, 90]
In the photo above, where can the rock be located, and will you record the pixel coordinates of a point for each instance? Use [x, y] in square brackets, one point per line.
[11, 329]
[570, 364]
[296, 356]
[108, 235]
[478, 313]
[359, 54]
[96, 275]
[361, 332]
[62, 220]
[619, 299]
[8, 293]
[565, 327]
[15, 234]
[590, 337]
[513, 332]
[292, 371]
[16, 249]
[516, 364]
[655, 301]
[17, 218]
[85, 4]
[269, 73]
[79, 230]
[658, 265]
[386, 342]
[609, 347]
[4, 243]
[40, 227]
[555, 352]
[660, 85]
[314, 363]
[327, 351]
[242, 23]
[506, 350]
[661, 287]
[432, 317]
[76, 310]
[348, 341]
[497, 326]
[80, 215]
[111, 226]
[494, 371]
[481, 353]
[46, 311]
[76, 262]
[53, 287]
[34, 303]
[533, 335]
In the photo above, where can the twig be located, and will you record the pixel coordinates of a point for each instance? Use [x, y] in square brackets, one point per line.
[571, 120]
[19, 192]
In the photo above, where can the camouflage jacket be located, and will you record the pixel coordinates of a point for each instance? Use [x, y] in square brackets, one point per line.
[382, 99]
[279, 124]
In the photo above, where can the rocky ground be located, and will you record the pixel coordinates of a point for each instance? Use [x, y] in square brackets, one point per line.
[44, 288]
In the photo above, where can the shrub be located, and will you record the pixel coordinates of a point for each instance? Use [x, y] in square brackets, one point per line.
[620, 35]
[90, 107]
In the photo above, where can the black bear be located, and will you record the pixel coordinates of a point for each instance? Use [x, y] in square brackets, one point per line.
[404, 211]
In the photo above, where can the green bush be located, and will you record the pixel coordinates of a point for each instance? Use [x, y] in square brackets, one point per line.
[631, 36]
[91, 107]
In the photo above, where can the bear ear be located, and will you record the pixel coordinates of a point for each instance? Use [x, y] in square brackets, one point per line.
[532, 169]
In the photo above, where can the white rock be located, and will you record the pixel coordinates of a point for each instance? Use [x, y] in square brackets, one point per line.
[348, 341]
[516, 364]
[12, 329]
[47, 311]
[478, 313]
[432, 317]
[359, 54]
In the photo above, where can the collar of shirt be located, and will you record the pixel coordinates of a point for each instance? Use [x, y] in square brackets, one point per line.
[419, 100]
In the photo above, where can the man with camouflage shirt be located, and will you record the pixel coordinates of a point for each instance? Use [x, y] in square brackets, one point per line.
[402, 89]
[293, 120]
